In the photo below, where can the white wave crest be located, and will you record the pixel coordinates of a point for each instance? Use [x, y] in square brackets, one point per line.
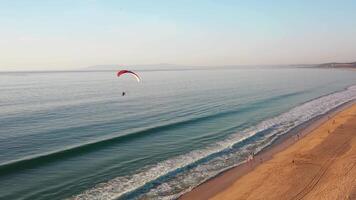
[278, 125]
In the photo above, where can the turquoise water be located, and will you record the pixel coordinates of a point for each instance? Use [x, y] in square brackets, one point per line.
[72, 134]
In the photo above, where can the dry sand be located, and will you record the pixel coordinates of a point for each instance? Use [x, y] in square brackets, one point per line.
[321, 165]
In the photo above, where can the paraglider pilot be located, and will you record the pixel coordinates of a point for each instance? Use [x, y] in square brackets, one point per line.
[119, 73]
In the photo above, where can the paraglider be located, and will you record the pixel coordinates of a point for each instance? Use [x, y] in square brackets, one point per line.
[122, 72]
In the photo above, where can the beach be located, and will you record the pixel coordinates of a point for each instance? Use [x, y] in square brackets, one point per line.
[317, 162]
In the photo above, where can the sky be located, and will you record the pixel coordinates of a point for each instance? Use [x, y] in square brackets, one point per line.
[67, 34]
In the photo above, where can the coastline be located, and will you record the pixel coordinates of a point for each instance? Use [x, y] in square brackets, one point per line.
[216, 185]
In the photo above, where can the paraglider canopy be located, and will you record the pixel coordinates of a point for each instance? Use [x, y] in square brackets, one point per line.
[121, 72]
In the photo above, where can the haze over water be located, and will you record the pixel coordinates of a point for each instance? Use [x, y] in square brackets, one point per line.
[72, 134]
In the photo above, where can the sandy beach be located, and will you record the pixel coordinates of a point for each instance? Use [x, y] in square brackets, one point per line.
[317, 163]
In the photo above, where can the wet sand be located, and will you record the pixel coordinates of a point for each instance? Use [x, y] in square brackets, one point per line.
[319, 164]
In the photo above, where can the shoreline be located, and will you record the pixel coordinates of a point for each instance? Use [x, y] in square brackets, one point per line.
[225, 179]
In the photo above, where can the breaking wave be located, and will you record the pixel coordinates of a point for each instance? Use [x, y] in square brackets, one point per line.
[173, 177]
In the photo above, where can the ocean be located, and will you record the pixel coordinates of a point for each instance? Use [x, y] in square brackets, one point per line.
[72, 135]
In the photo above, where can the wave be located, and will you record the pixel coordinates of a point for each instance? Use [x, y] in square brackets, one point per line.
[171, 178]
[41, 159]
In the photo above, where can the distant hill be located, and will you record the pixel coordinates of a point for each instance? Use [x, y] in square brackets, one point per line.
[174, 67]
[132, 67]
[337, 65]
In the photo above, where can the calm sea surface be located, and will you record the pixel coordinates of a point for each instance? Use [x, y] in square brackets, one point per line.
[72, 134]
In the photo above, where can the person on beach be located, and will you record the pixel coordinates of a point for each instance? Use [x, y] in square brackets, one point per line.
[296, 137]
[249, 159]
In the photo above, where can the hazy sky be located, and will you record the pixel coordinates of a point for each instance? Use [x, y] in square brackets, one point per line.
[68, 34]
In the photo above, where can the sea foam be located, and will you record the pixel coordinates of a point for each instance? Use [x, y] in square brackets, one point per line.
[171, 178]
